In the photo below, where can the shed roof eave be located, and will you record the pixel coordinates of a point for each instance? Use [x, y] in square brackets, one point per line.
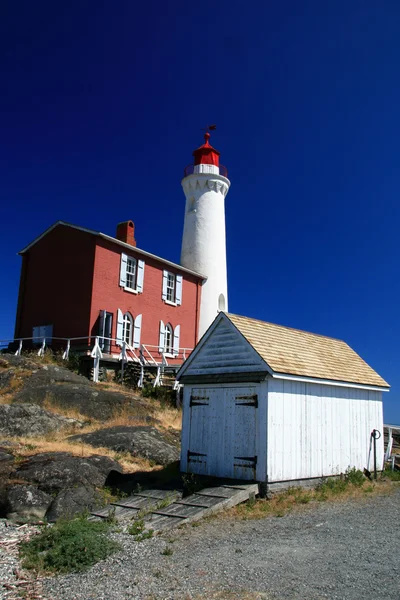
[115, 241]
[332, 382]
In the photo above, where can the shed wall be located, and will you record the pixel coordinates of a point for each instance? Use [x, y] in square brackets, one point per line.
[317, 430]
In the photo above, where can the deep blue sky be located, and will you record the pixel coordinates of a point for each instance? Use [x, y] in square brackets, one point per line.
[101, 105]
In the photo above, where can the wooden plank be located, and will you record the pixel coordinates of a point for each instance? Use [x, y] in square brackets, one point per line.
[196, 500]
[217, 492]
[158, 494]
[178, 510]
[161, 523]
[135, 502]
[115, 511]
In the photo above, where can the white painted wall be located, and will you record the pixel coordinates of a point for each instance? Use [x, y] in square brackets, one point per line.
[318, 430]
[203, 243]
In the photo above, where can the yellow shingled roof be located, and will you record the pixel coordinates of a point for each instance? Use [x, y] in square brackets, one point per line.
[296, 352]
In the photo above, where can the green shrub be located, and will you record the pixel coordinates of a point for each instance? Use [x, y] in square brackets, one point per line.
[393, 475]
[68, 546]
[355, 477]
[138, 531]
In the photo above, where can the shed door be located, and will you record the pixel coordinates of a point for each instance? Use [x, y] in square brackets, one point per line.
[222, 439]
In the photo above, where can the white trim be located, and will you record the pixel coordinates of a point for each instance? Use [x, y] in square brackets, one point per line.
[131, 290]
[170, 303]
[332, 382]
[115, 241]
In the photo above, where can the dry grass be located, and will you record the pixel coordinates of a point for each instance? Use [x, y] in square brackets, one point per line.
[69, 413]
[15, 384]
[296, 499]
[32, 446]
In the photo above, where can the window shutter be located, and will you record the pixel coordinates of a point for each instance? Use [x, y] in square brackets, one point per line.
[161, 342]
[164, 285]
[140, 276]
[177, 333]
[136, 331]
[120, 326]
[178, 292]
[122, 273]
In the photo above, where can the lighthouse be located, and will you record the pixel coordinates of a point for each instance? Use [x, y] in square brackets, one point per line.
[205, 185]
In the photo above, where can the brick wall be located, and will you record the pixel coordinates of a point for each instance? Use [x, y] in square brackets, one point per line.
[108, 295]
[56, 284]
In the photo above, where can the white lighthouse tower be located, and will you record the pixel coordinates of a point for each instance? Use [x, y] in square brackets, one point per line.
[203, 245]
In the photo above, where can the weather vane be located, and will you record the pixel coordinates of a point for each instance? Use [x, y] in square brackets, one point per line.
[209, 128]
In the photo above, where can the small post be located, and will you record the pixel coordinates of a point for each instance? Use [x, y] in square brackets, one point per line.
[123, 361]
[376, 435]
[141, 378]
[42, 348]
[66, 352]
[18, 352]
[96, 354]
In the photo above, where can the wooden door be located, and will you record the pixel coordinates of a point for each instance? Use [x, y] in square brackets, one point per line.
[222, 437]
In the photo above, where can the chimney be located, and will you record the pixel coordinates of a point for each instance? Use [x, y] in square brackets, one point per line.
[126, 233]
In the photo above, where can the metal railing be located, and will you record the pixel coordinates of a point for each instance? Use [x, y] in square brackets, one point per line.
[145, 355]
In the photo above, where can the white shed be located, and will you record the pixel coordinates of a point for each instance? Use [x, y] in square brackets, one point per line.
[277, 405]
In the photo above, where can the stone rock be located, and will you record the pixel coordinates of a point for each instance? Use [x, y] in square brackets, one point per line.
[6, 463]
[68, 390]
[19, 362]
[54, 471]
[27, 502]
[72, 501]
[144, 441]
[31, 420]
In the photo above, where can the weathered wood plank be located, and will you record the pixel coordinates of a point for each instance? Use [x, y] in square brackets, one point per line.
[217, 492]
[202, 501]
[178, 510]
[158, 494]
[136, 502]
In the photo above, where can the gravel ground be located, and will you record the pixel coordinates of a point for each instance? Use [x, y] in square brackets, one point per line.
[14, 581]
[344, 550]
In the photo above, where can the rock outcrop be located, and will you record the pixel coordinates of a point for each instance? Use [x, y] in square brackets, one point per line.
[144, 441]
[30, 420]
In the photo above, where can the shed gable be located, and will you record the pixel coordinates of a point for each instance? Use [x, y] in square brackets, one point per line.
[226, 351]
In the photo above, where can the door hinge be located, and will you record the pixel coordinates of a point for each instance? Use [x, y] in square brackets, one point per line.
[198, 401]
[191, 455]
[251, 400]
[251, 459]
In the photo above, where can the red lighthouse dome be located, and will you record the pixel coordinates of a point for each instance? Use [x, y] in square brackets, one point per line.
[206, 154]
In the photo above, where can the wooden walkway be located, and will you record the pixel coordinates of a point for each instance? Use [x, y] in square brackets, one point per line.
[161, 509]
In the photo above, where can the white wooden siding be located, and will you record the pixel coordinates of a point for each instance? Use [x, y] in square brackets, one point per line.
[226, 351]
[318, 430]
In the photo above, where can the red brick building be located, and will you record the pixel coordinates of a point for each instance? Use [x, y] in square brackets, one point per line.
[76, 282]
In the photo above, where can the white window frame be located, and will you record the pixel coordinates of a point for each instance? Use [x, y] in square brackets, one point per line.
[169, 340]
[131, 266]
[172, 288]
[127, 320]
[131, 272]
